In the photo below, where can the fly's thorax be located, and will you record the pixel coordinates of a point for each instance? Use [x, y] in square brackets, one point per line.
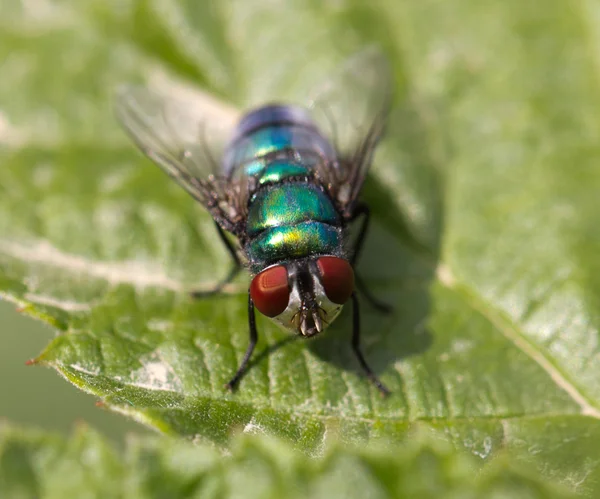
[288, 242]
[291, 220]
[289, 203]
[304, 296]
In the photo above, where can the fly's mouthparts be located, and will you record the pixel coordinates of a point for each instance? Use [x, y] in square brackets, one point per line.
[310, 322]
[317, 321]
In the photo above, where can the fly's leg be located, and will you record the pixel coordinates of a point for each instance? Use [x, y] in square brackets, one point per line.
[219, 287]
[363, 209]
[253, 339]
[357, 351]
[235, 269]
[376, 303]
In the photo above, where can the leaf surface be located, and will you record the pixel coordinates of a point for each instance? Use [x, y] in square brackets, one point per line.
[484, 238]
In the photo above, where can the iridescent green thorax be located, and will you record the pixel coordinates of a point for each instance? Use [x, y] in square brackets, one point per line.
[293, 241]
[289, 204]
[290, 220]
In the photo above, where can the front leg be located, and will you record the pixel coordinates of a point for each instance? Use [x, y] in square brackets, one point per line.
[253, 339]
[358, 352]
[363, 209]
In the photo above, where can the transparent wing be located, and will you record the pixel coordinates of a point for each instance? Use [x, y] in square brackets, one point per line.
[351, 109]
[187, 142]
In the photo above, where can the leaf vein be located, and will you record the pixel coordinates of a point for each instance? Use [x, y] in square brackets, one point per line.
[520, 341]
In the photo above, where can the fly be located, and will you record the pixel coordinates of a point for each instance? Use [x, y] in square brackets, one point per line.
[286, 186]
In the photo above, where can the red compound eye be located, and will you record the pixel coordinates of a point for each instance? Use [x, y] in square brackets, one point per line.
[337, 278]
[270, 291]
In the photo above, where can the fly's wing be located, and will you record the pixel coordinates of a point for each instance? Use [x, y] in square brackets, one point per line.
[351, 109]
[186, 141]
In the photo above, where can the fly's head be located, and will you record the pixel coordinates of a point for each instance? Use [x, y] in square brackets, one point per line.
[304, 296]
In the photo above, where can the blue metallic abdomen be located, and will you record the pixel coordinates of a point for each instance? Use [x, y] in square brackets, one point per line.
[274, 132]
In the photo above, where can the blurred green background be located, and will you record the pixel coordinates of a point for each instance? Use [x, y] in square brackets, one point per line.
[37, 396]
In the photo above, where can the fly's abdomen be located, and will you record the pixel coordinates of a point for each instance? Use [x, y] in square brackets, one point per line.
[291, 220]
[271, 133]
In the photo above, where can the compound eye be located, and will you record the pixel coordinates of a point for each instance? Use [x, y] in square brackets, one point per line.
[337, 278]
[270, 291]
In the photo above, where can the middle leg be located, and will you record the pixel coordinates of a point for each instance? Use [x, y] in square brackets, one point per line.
[235, 269]
[253, 339]
[363, 210]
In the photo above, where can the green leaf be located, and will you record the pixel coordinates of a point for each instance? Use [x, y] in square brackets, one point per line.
[484, 197]
[34, 464]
